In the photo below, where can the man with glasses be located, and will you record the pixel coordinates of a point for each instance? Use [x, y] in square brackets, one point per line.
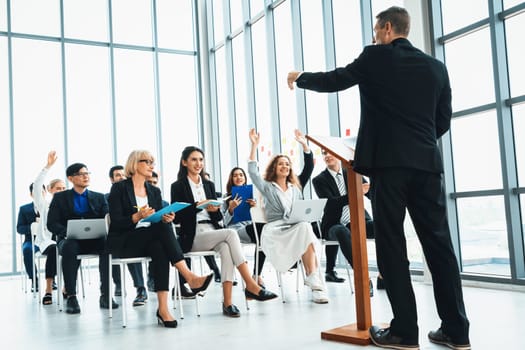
[79, 203]
[405, 108]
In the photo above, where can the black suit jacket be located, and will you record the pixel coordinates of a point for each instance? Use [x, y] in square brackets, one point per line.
[61, 210]
[405, 105]
[187, 217]
[326, 187]
[26, 216]
[122, 205]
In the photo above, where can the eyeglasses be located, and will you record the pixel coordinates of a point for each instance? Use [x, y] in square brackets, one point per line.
[82, 174]
[147, 161]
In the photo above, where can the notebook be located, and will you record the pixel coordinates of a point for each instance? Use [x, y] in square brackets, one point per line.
[86, 229]
[242, 212]
[307, 210]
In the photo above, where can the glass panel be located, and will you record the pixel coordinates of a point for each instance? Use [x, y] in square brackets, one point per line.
[522, 205]
[38, 126]
[256, 6]
[36, 17]
[472, 159]
[348, 45]
[381, 5]
[218, 21]
[458, 14]
[469, 59]
[518, 118]
[3, 16]
[287, 102]
[87, 80]
[236, 14]
[134, 103]
[314, 60]
[223, 112]
[241, 108]
[6, 252]
[514, 29]
[483, 235]
[175, 24]
[178, 106]
[86, 20]
[262, 98]
[132, 22]
[510, 3]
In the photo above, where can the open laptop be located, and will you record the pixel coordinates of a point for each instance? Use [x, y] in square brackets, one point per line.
[307, 210]
[86, 229]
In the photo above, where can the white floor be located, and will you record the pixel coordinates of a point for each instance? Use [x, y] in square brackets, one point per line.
[495, 317]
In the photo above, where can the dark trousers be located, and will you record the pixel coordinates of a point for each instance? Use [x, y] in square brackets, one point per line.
[51, 259]
[70, 248]
[135, 270]
[158, 242]
[393, 191]
[343, 235]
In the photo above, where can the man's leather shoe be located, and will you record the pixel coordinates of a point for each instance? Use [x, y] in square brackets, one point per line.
[72, 306]
[118, 290]
[262, 296]
[439, 337]
[371, 288]
[231, 311]
[104, 303]
[380, 284]
[141, 297]
[384, 339]
[332, 277]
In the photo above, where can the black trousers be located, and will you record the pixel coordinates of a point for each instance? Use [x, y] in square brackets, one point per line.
[70, 248]
[158, 242]
[393, 191]
[51, 260]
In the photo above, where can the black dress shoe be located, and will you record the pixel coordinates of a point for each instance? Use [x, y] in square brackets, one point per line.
[204, 285]
[384, 339]
[371, 288]
[217, 277]
[380, 284]
[72, 306]
[332, 277]
[262, 296]
[439, 337]
[118, 290]
[104, 303]
[167, 324]
[141, 297]
[54, 285]
[231, 311]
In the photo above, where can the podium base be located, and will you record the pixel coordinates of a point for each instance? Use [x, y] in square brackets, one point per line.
[348, 334]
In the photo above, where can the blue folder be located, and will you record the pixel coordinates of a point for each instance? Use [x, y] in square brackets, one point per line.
[172, 208]
[242, 212]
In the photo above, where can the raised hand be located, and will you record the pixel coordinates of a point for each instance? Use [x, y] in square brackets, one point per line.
[51, 159]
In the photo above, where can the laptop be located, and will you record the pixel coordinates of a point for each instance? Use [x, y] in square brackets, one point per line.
[307, 210]
[86, 229]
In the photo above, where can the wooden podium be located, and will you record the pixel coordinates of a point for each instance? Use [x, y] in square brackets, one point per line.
[356, 333]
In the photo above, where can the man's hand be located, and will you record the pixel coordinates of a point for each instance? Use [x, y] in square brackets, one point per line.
[292, 77]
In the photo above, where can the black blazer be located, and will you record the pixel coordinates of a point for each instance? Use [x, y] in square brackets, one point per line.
[61, 210]
[187, 217]
[26, 216]
[122, 205]
[405, 105]
[326, 187]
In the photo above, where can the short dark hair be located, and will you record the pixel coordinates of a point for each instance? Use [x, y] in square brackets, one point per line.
[154, 174]
[74, 168]
[398, 17]
[113, 168]
[31, 188]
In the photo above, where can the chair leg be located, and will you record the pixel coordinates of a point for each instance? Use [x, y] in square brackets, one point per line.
[110, 286]
[124, 302]
[60, 301]
[280, 282]
[82, 280]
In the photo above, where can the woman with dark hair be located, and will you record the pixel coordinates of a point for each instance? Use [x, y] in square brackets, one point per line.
[283, 246]
[201, 230]
[132, 200]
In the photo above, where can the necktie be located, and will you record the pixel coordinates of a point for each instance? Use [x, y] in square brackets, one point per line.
[345, 215]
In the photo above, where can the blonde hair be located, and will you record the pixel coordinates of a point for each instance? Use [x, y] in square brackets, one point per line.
[53, 183]
[133, 160]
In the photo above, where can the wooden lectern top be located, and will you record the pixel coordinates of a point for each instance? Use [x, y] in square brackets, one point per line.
[341, 148]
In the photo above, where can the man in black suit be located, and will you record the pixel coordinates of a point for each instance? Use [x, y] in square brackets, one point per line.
[79, 203]
[405, 108]
[331, 183]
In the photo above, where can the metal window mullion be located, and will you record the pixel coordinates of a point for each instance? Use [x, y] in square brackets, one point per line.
[505, 133]
[248, 68]
[329, 42]
[156, 89]
[64, 85]
[112, 84]
[298, 55]
[230, 93]
[201, 60]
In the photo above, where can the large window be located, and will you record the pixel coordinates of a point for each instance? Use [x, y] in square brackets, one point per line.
[514, 29]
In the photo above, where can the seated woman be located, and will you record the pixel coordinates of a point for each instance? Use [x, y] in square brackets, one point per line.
[201, 231]
[43, 238]
[283, 246]
[132, 200]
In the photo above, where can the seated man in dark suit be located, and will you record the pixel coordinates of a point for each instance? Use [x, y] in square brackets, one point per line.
[335, 225]
[79, 203]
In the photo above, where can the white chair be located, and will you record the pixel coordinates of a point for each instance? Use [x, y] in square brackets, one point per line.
[123, 262]
[37, 268]
[190, 255]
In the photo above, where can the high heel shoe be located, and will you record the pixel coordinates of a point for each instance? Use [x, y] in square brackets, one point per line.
[204, 285]
[167, 324]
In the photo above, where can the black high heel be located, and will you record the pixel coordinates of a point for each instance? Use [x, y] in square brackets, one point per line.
[167, 324]
[204, 285]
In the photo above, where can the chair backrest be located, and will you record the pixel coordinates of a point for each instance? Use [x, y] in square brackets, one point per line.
[258, 215]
